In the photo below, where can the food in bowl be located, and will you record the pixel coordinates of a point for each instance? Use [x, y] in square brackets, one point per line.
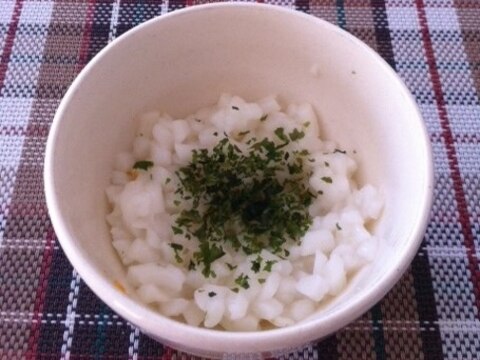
[239, 216]
[182, 61]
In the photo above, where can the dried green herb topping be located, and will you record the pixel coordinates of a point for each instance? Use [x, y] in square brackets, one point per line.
[242, 281]
[143, 165]
[252, 200]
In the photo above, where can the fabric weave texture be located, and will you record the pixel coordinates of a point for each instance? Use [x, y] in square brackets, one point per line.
[47, 311]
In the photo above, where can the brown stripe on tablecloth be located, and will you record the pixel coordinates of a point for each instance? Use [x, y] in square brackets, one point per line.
[18, 286]
[401, 325]
[54, 83]
[62, 50]
[466, 4]
[469, 20]
[367, 35]
[14, 328]
[355, 16]
[356, 340]
[31, 352]
[324, 9]
[358, 17]
[356, 3]
[26, 263]
[359, 21]
[447, 134]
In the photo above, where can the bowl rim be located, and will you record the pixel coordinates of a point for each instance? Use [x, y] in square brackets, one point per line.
[201, 339]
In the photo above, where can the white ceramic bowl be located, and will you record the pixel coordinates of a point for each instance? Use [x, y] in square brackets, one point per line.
[183, 61]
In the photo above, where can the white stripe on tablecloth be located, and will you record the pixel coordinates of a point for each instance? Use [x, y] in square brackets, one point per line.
[114, 20]
[133, 345]
[164, 9]
[70, 316]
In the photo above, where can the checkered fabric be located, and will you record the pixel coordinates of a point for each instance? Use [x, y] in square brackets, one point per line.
[46, 310]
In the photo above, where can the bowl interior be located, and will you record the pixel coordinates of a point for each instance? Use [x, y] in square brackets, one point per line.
[184, 61]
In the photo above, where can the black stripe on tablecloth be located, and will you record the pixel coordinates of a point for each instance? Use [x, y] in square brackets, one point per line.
[378, 334]
[55, 304]
[427, 312]
[98, 330]
[100, 27]
[431, 341]
[382, 32]
[149, 348]
[327, 349]
[134, 12]
[303, 5]
[176, 5]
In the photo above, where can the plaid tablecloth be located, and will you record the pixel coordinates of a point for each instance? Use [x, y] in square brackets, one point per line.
[47, 312]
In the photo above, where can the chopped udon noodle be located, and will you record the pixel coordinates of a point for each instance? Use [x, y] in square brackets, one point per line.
[239, 216]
